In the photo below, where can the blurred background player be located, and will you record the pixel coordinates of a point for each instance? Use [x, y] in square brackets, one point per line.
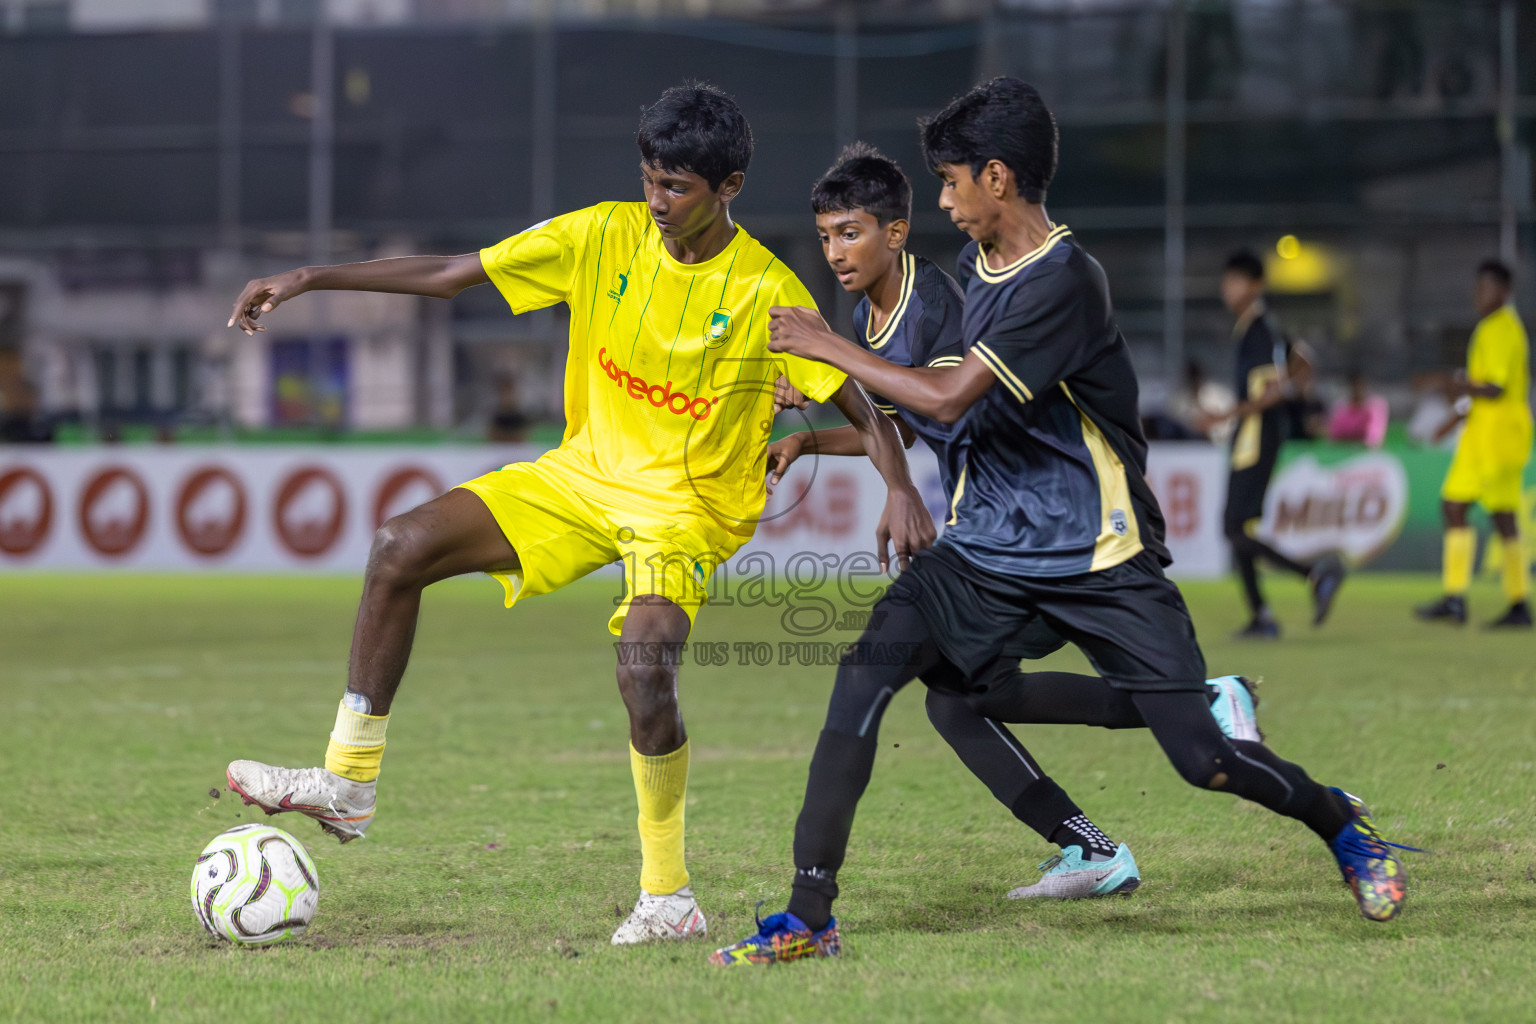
[1263, 368]
[661, 467]
[910, 314]
[1489, 464]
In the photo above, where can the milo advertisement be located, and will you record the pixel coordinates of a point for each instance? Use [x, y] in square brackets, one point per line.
[1380, 508]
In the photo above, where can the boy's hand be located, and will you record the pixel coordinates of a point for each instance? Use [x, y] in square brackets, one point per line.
[905, 522]
[263, 295]
[786, 394]
[781, 455]
[799, 331]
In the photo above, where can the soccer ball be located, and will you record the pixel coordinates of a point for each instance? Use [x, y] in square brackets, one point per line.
[255, 885]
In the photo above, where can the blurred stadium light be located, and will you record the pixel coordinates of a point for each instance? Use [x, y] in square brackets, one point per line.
[154, 154]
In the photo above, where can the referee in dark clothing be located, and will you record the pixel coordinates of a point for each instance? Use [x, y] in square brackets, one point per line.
[1264, 358]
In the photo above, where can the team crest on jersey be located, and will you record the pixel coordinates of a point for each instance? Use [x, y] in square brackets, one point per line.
[1118, 523]
[717, 329]
[622, 282]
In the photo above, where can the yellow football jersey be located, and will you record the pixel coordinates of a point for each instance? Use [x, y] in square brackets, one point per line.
[669, 381]
[1499, 429]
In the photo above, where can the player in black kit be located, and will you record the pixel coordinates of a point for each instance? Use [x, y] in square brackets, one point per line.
[1264, 359]
[1051, 517]
[910, 313]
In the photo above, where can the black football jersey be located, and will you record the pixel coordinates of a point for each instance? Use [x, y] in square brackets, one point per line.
[925, 329]
[1262, 355]
[1052, 457]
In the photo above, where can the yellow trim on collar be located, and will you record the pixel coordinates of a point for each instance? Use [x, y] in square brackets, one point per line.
[987, 274]
[883, 337]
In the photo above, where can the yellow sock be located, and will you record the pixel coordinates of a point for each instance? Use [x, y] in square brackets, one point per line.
[1456, 559]
[1517, 571]
[661, 784]
[357, 745]
[1493, 556]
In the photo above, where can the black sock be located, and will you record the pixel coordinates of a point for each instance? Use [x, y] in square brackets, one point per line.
[811, 898]
[1043, 806]
[1079, 831]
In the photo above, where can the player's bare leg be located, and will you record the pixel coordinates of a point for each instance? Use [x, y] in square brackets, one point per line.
[650, 649]
[653, 636]
[448, 536]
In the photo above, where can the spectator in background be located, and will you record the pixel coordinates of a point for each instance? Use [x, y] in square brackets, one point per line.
[508, 423]
[1434, 422]
[19, 419]
[1198, 409]
[1361, 417]
[1306, 417]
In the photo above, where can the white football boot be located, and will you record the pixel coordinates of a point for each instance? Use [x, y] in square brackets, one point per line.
[342, 807]
[675, 916]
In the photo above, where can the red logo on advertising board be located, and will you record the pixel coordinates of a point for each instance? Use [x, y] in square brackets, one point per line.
[114, 509]
[402, 491]
[1181, 504]
[310, 511]
[830, 509]
[26, 511]
[210, 511]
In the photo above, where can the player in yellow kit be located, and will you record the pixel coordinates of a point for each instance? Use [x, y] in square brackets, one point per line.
[668, 403]
[1490, 459]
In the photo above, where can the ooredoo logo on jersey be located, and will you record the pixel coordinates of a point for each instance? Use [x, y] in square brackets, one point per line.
[660, 395]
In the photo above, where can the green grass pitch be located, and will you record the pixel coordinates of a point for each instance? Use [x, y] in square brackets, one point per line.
[505, 852]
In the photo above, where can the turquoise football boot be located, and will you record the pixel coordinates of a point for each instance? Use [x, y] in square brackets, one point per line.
[1235, 708]
[1067, 876]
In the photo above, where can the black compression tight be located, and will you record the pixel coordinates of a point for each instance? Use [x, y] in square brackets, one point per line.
[1052, 698]
[845, 755]
[996, 757]
[1184, 727]
[1246, 551]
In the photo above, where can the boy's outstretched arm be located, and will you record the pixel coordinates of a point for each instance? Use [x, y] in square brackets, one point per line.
[905, 523]
[940, 393]
[440, 277]
[832, 441]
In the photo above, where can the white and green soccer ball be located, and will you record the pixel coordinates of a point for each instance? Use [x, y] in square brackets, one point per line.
[255, 885]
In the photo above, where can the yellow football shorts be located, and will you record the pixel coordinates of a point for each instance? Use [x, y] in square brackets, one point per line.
[1473, 477]
[562, 530]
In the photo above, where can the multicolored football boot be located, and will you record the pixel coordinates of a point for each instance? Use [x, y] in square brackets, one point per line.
[1067, 876]
[779, 939]
[1367, 863]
